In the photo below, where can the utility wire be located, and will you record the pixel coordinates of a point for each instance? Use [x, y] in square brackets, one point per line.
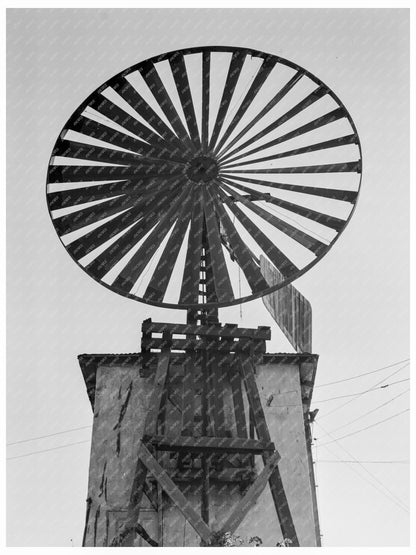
[366, 428]
[49, 435]
[365, 374]
[47, 450]
[362, 462]
[371, 411]
[359, 393]
[392, 496]
[358, 396]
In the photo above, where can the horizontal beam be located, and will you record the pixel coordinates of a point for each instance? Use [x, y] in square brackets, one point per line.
[226, 475]
[231, 330]
[210, 444]
[227, 346]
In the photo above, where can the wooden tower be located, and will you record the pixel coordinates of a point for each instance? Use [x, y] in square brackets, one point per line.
[166, 186]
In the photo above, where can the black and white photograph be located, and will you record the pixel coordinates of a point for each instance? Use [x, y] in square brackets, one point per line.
[208, 277]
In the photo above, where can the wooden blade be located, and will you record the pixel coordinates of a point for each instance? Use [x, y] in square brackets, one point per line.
[340, 141]
[158, 284]
[177, 63]
[324, 219]
[271, 104]
[75, 174]
[234, 71]
[279, 259]
[134, 268]
[337, 194]
[323, 168]
[137, 102]
[155, 84]
[190, 281]
[241, 253]
[206, 65]
[311, 126]
[101, 131]
[118, 115]
[222, 282]
[312, 244]
[91, 240]
[115, 252]
[263, 73]
[305, 103]
[86, 216]
[83, 151]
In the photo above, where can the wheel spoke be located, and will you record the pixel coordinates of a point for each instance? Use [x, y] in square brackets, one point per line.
[240, 251]
[222, 282]
[154, 82]
[206, 66]
[91, 240]
[322, 168]
[180, 75]
[340, 141]
[234, 71]
[75, 174]
[311, 126]
[324, 219]
[312, 244]
[191, 273]
[279, 259]
[263, 73]
[305, 103]
[159, 282]
[134, 268]
[270, 105]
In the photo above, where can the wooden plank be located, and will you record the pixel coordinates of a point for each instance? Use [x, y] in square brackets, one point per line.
[226, 475]
[150, 427]
[188, 414]
[276, 484]
[251, 495]
[239, 413]
[215, 330]
[343, 167]
[211, 444]
[218, 392]
[174, 493]
[225, 346]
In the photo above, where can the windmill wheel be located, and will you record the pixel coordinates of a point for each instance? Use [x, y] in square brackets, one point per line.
[172, 179]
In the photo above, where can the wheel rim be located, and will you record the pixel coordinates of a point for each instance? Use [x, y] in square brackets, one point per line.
[215, 154]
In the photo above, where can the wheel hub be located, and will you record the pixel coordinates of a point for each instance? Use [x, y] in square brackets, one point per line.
[202, 169]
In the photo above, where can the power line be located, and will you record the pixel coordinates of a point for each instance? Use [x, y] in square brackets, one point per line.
[392, 496]
[371, 411]
[358, 396]
[362, 462]
[47, 450]
[361, 375]
[49, 435]
[359, 393]
[366, 428]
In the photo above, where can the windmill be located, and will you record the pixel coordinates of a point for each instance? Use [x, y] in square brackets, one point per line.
[199, 179]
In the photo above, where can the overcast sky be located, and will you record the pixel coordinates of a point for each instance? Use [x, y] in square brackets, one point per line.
[359, 291]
